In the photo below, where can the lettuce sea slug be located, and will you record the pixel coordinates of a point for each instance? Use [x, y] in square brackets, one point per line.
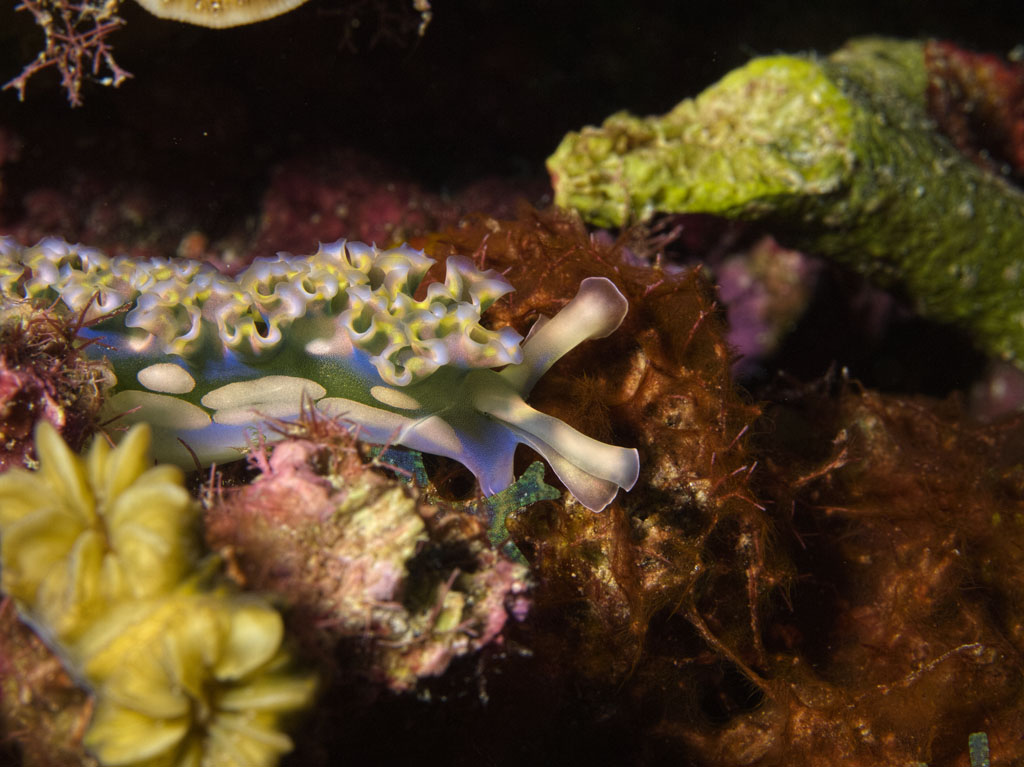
[205, 358]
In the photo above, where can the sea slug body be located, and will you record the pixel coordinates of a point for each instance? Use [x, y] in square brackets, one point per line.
[205, 358]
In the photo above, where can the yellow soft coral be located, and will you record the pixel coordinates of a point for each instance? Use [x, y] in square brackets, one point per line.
[79, 534]
[192, 679]
[101, 554]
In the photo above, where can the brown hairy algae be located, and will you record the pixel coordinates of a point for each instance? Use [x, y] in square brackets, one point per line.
[837, 580]
[901, 633]
[687, 550]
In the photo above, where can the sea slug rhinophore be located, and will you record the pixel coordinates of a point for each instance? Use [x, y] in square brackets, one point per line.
[205, 358]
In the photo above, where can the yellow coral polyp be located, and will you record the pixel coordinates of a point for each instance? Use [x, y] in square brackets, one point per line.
[101, 553]
[81, 534]
[192, 679]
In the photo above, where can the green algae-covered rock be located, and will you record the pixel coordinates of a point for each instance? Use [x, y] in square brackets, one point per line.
[839, 157]
[701, 155]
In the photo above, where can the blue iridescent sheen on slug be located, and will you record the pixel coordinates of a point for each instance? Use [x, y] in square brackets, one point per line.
[206, 358]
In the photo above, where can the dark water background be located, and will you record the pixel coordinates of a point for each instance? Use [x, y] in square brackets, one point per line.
[490, 89]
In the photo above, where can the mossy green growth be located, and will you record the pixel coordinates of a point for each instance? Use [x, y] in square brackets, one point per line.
[696, 157]
[837, 156]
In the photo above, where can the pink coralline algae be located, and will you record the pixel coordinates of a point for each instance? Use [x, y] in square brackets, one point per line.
[977, 99]
[398, 587]
[765, 290]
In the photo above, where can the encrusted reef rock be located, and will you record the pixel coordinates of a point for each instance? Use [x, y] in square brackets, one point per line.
[402, 587]
[838, 156]
[977, 99]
